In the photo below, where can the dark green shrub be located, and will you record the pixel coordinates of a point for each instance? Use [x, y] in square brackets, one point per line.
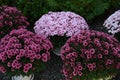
[33, 9]
[87, 8]
[115, 4]
[7, 2]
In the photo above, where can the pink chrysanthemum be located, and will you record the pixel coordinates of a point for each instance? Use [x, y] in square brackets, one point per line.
[60, 23]
[59, 26]
[11, 18]
[23, 50]
[89, 51]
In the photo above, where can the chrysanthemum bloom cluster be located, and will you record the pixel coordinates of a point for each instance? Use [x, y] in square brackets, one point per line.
[11, 18]
[90, 51]
[59, 26]
[113, 23]
[23, 52]
[60, 23]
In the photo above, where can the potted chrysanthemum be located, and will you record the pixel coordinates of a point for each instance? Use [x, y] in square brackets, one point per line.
[90, 55]
[22, 53]
[59, 26]
[11, 18]
[112, 23]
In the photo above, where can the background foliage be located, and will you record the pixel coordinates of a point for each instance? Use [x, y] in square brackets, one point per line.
[89, 9]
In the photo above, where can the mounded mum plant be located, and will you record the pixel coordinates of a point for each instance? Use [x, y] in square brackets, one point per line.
[23, 52]
[112, 23]
[90, 55]
[59, 26]
[11, 18]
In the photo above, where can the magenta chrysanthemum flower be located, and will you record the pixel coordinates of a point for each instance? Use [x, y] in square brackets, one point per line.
[90, 51]
[23, 50]
[11, 18]
[113, 23]
[60, 23]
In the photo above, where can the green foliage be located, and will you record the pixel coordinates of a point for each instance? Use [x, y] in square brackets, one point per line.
[6, 2]
[58, 41]
[115, 4]
[89, 9]
[106, 74]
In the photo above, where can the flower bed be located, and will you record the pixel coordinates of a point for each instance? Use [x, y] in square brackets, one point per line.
[90, 55]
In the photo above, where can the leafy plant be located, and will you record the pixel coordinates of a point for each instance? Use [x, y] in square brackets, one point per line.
[90, 55]
[59, 26]
[23, 53]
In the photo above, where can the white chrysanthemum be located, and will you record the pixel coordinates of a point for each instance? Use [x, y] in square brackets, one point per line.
[60, 23]
[113, 23]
